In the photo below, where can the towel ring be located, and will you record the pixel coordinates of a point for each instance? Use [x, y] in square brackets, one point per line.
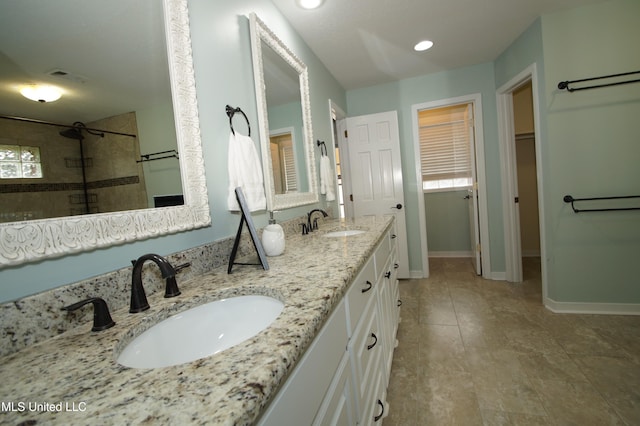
[322, 145]
[231, 112]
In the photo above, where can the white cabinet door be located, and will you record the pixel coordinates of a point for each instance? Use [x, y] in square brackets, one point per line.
[339, 406]
[298, 401]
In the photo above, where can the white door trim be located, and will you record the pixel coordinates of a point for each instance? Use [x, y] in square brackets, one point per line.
[341, 126]
[506, 137]
[476, 99]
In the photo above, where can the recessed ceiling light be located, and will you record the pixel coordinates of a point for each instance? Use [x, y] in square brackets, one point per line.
[309, 4]
[423, 45]
[41, 93]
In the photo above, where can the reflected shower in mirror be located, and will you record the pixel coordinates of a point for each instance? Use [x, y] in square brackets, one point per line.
[119, 73]
[284, 115]
[129, 98]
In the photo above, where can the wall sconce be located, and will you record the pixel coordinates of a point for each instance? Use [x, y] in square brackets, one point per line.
[41, 93]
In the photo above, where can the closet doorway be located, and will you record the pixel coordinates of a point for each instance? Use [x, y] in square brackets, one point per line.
[522, 187]
[525, 149]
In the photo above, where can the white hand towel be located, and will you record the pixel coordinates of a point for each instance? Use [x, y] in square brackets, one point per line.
[245, 171]
[323, 177]
[326, 178]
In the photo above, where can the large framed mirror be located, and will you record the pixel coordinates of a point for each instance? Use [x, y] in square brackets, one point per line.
[100, 63]
[284, 115]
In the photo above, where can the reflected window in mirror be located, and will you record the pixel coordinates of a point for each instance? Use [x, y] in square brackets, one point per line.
[283, 162]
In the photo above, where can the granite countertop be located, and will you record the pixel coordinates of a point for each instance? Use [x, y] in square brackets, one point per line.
[73, 378]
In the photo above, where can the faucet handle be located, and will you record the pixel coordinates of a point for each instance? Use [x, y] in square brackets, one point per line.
[171, 288]
[101, 317]
[305, 228]
[181, 267]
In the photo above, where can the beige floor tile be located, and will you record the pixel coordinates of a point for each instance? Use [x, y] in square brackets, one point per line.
[447, 398]
[575, 403]
[473, 351]
[551, 366]
[617, 380]
[503, 418]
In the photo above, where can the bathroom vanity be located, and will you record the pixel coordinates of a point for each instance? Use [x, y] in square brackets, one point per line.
[325, 359]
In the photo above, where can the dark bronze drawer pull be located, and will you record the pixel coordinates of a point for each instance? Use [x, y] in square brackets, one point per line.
[375, 341]
[379, 416]
[369, 285]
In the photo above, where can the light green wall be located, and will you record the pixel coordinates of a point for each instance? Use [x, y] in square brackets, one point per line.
[592, 149]
[447, 216]
[222, 61]
[400, 96]
[589, 146]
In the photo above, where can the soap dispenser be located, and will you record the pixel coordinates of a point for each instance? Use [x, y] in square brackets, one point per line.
[273, 238]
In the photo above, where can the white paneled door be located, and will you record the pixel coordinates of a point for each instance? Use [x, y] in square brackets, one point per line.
[376, 174]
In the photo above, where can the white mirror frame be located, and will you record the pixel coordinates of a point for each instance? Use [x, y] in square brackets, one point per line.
[28, 241]
[260, 32]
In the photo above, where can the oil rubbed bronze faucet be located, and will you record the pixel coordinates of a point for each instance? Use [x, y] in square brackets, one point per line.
[309, 226]
[138, 297]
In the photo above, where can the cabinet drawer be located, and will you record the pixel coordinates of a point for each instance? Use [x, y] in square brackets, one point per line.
[365, 349]
[375, 407]
[382, 255]
[362, 290]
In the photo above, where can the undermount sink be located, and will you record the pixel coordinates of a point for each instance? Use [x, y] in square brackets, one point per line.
[344, 233]
[201, 331]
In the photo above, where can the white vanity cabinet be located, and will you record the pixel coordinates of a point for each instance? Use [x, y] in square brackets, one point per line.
[342, 379]
[373, 340]
[302, 395]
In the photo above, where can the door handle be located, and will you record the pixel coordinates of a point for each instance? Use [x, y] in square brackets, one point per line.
[466, 197]
[397, 206]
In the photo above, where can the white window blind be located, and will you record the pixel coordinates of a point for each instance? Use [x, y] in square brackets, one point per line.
[291, 182]
[445, 154]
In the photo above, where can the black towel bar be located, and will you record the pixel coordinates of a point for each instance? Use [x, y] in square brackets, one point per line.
[570, 199]
[565, 84]
[172, 153]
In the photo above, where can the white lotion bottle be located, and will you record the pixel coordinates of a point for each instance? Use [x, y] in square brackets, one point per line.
[273, 238]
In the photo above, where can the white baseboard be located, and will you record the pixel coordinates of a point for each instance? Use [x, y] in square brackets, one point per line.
[416, 275]
[592, 308]
[450, 254]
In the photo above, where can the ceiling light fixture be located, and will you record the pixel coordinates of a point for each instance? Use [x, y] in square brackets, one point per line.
[423, 45]
[309, 4]
[41, 93]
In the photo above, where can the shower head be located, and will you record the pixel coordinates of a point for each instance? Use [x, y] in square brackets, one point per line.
[75, 132]
[72, 133]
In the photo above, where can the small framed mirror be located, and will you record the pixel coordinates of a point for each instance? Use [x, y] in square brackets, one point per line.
[284, 115]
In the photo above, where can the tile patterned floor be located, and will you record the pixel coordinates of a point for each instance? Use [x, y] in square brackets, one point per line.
[479, 352]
